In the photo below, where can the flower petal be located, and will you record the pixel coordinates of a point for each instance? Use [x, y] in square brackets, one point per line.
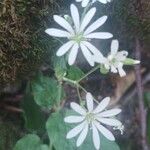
[87, 54]
[96, 138]
[62, 22]
[121, 56]
[76, 107]
[64, 48]
[57, 33]
[82, 135]
[99, 35]
[89, 15]
[113, 69]
[114, 47]
[122, 73]
[74, 119]
[110, 113]
[95, 25]
[75, 16]
[73, 54]
[103, 1]
[102, 105]
[89, 100]
[109, 121]
[105, 131]
[75, 131]
[85, 3]
[97, 55]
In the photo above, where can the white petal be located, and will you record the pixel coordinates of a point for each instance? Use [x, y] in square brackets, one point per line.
[75, 131]
[78, 0]
[105, 131]
[109, 121]
[122, 73]
[98, 57]
[73, 119]
[102, 105]
[95, 25]
[62, 22]
[76, 107]
[75, 16]
[87, 54]
[85, 3]
[64, 48]
[121, 56]
[82, 135]
[87, 18]
[89, 100]
[96, 138]
[73, 54]
[57, 33]
[113, 69]
[99, 35]
[103, 1]
[114, 47]
[110, 113]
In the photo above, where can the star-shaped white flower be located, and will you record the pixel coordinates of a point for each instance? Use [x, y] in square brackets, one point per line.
[79, 35]
[84, 3]
[93, 119]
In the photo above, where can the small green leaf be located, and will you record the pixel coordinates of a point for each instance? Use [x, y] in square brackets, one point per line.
[28, 142]
[74, 73]
[103, 70]
[57, 130]
[46, 91]
[130, 61]
[34, 118]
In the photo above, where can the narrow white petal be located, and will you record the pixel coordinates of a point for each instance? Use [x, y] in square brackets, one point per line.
[74, 119]
[103, 1]
[121, 56]
[87, 18]
[113, 69]
[89, 100]
[110, 113]
[114, 47]
[73, 54]
[82, 135]
[75, 16]
[57, 33]
[95, 25]
[102, 105]
[99, 35]
[85, 2]
[62, 22]
[109, 121]
[96, 138]
[76, 107]
[105, 131]
[64, 48]
[122, 73]
[98, 57]
[75, 131]
[78, 0]
[87, 54]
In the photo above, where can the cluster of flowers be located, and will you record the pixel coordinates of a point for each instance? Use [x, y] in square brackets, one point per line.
[79, 35]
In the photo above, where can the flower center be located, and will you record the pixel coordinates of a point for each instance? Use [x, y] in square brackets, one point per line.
[111, 59]
[78, 38]
[90, 117]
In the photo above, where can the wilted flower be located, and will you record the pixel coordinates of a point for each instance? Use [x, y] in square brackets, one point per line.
[84, 3]
[79, 35]
[93, 119]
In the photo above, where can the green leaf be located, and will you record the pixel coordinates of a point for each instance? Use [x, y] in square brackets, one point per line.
[74, 73]
[130, 61]
[57, 130]
[34, 118]
[28, 142]
[47, 92]
[103, 70]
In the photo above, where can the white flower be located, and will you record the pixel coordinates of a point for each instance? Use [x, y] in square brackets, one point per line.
[115, 59]
[93, 119]
[79, 35]
[86, 2]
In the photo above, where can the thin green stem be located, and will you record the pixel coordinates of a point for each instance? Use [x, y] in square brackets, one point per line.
[78, 92]
[87, 74]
